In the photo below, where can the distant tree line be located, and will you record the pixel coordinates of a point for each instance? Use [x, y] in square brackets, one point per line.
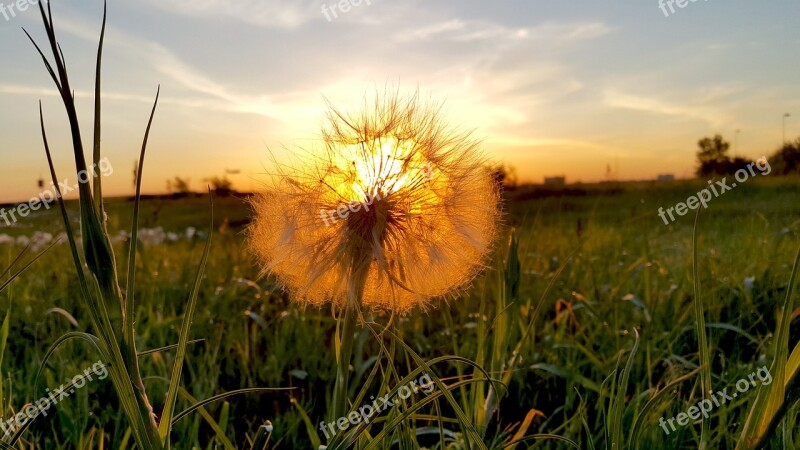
[713, 158]
[180, 187]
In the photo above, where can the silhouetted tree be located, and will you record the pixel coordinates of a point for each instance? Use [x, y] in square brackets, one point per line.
[179, 187]
[737, 163]
[786, 161]
[713, 156]
[221, 186]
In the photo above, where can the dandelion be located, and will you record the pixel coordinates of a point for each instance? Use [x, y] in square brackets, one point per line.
[398, 210]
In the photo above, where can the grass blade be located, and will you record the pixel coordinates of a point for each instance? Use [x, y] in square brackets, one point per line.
[98, 185]
[165, 426]
[4, 330]
[636, 429]
[219, 432]
[618, 405]
[771, 402]
[167, 348]
[311, 429]
[65, 338]
[24, 268]
[223, 396]
[702, 339]
[130, 313]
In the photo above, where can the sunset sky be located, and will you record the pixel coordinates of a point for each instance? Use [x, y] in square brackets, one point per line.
[553, 87]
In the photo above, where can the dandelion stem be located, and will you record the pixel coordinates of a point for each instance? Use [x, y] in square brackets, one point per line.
[347, 329]
[343, 363]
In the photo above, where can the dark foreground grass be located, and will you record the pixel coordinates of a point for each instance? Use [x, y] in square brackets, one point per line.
[629, 274]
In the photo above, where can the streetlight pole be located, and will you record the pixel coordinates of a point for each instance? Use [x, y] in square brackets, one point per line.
[785, 116]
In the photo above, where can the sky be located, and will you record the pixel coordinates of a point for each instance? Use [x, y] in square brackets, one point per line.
[590, 90]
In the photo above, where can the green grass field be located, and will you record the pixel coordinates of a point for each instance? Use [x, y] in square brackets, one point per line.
[616, 271]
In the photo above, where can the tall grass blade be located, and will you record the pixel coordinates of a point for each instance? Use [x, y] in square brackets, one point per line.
[100, 261]
[311, 429]
[468, 427]
[17, 259]
[130, 312]
[96, 243]
[223, 396]
[702, 339]
[69, 387]
[23, 268]
[636, 428]
[63, 339]
[618, 404]
[165, 426]
[772, 401]
[408, 413]
[3, 340]
[97, 181]
[218, 431]
[167, 348]
[100, 322]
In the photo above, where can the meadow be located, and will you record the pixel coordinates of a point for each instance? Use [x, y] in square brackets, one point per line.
[580, 279]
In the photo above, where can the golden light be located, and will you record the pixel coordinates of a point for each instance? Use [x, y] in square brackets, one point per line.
[393, 165]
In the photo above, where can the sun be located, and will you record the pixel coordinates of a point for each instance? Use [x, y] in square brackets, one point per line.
[381, 168]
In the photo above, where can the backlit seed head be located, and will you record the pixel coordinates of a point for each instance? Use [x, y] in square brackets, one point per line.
[396, 198]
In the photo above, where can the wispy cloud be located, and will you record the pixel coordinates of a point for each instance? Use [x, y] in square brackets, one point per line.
[458, 30]
[17, 89]
[430, 31]
[202, 91]
[266, 13]
[705, 111]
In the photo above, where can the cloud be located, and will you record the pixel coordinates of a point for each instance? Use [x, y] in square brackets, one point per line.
[698, 110]
[202, 91]
[582, 31]
[457, 30]
[425, 33]
[35, 91]
[284, 107]
[529, 142]
[265, 13]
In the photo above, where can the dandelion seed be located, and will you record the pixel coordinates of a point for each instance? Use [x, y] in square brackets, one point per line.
[399, 207]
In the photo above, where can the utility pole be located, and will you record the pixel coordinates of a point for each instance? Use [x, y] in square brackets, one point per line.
[785, 116]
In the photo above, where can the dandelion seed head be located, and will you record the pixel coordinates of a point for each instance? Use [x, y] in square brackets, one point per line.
[396, 196]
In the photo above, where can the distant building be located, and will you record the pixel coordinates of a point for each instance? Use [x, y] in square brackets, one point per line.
[666, 177]
[555, 181]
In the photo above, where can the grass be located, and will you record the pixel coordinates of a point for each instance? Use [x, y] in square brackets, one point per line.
[630, 273]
